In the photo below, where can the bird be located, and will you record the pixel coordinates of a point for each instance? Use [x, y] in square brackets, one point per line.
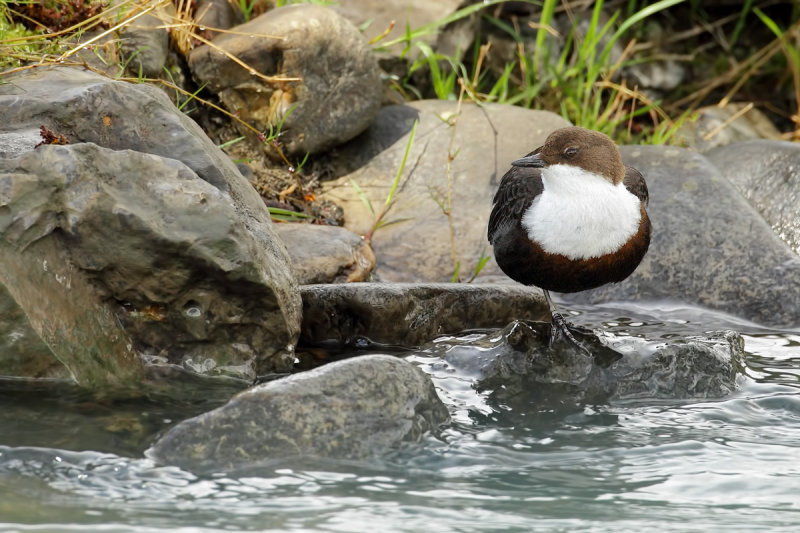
[570, 216]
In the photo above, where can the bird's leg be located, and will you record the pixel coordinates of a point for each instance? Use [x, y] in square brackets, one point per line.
[560, 325]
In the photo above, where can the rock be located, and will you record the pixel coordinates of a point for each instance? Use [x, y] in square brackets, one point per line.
[357, 408]
[379, 15]
[408, 314]
[516, 366]
[416, 246]
[709, 129]
[709, 246]
[326, 254]
[705, 366]
[656, 75]
[144, 44]
[112, 250]
[211, 15]
[22, 352]
[767, 174]
[338, 92]
[197, 186]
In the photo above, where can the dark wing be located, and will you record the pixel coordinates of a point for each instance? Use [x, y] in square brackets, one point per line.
[518, 188]
[634, 182]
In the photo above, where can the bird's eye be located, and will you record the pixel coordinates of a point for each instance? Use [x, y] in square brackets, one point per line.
[571, 151]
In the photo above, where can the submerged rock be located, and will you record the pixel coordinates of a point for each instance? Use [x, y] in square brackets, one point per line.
[767, 174]
[517, 366]
[336, 90]
[408, 314]
[357, 408]
[708, 247]
[140, 236]
[415, 244]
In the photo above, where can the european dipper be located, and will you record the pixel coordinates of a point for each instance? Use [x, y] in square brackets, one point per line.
[570, 216]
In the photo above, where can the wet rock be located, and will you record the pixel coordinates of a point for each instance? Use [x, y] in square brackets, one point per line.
[326, 254]
[516, 365]
[124, 230]
[712, 128]
[357, 408]
[22, 352]
[380, 14]
[409, 314]
[694, 367]
[416, 246]
[767, 174]
[339, 89]
[709, 246]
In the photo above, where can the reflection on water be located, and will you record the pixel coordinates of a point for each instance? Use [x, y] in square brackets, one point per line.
[70, 463]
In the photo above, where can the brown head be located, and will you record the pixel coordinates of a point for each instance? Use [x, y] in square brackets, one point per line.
[579, 147]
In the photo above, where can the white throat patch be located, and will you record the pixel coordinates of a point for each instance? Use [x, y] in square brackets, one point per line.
[580, 214]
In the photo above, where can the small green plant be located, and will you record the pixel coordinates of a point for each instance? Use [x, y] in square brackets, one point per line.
[792, 54]
[285, 215]
[246, 7]
[379, 217]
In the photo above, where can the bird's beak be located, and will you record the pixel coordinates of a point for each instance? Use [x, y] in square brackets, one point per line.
[533, 160]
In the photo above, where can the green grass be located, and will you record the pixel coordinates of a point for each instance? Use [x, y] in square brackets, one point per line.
[575, 81]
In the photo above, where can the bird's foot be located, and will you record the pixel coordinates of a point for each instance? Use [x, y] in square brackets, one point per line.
[559, 326]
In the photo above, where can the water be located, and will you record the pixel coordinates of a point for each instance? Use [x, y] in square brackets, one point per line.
[72, 463]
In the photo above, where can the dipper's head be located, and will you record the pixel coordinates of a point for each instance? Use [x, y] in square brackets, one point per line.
[578, 147]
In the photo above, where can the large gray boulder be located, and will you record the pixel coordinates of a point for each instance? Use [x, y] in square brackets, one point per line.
[336, 90]
[357, 408]
[114, 253]
[709, 246]
[767, 174]
[415, 245]
[139, 238]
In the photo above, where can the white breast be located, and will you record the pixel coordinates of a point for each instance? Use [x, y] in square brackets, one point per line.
[580, 214]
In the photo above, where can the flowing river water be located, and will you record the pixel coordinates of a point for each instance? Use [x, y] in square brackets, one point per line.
[69, 462]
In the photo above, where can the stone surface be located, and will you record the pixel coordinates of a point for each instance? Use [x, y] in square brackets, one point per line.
[131, 121]
[380, 14]
[144, 44]
[326, 254]
[357, 408]
[704, 133]
[22, 352]
[416, 246]
[111, 250]
[516, 366]
[339, 89]
[767, 174]
[709, 246]
[216, 15]
[408, 314]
